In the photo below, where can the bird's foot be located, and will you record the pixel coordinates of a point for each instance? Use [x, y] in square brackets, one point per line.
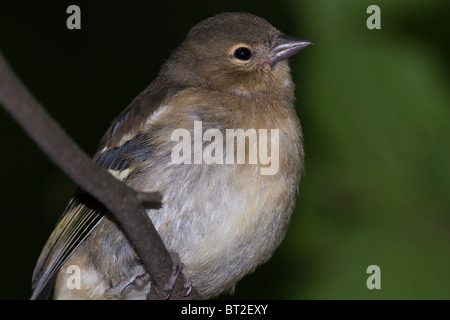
[178, 267]
[139, 281]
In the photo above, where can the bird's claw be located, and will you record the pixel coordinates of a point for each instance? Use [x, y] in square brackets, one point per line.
[139, 281]
[178, 267]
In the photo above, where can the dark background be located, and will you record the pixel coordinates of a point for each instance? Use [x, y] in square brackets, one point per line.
[374, 104]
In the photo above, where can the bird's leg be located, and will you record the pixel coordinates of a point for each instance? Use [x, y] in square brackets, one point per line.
[178, 267]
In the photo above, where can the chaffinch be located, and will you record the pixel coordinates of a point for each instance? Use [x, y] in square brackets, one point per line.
[217, 134]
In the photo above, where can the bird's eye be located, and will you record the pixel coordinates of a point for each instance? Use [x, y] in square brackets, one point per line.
[243, 53]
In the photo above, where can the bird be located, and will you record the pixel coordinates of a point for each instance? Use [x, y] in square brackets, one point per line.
[216, 132]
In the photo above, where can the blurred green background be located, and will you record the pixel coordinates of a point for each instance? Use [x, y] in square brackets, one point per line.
[375, 109]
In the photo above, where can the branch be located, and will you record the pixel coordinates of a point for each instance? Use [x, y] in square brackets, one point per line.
[126, 204]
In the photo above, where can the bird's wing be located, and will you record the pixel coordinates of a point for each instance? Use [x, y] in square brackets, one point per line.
[121, 146]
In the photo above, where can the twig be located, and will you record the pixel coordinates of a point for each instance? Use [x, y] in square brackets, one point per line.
[127, 205]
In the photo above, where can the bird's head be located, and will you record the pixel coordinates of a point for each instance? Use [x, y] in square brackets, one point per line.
[238, 52]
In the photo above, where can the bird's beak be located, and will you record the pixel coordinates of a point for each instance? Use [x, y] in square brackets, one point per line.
[285, 47]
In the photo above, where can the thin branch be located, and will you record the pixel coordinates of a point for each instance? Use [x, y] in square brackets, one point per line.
[127, 205]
